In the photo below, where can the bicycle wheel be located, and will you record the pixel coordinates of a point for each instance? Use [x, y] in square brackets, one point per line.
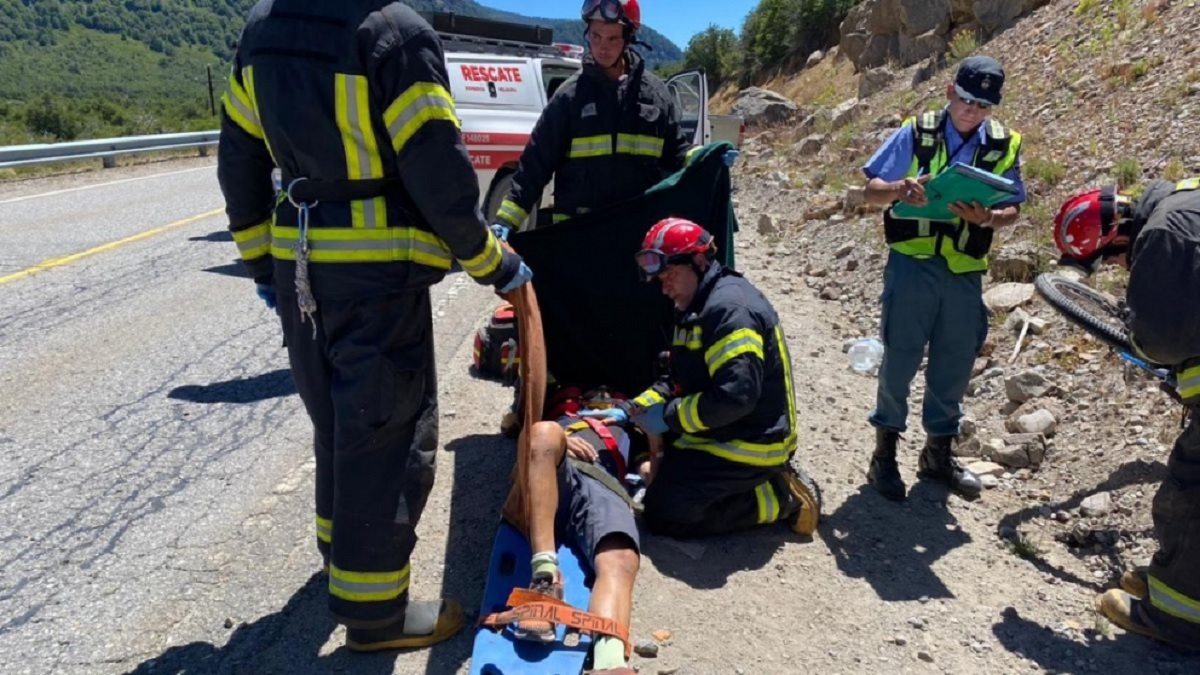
[1087, 308]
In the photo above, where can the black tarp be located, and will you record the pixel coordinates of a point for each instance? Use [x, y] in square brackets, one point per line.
[602, 325]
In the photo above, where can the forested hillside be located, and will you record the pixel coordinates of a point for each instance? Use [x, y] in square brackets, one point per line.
[90, 68]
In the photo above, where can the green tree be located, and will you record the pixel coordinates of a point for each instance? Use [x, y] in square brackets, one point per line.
[716, 51]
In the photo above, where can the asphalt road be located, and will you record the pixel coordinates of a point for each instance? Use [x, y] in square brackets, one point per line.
[155, 488]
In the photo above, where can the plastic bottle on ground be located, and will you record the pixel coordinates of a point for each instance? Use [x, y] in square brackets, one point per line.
[865, 354]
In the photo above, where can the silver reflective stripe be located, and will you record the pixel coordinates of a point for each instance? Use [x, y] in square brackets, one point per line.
[250, 244]
[768, 503]
[689, 409]
[360, 142]
[706, 444]
[381, 589]
[241, 106]
[1163, 598]
[748, 340]
[415, 107]
[591, 146]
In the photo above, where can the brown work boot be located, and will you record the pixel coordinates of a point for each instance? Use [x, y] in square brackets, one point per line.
[423, 624]
[1136, 582]
[1128, 612]
[536, 630]
[807, 495]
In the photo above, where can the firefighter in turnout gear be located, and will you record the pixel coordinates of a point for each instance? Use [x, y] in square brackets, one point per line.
[350, 101]
[1157, 238]
[727, 407]
[933, 282]
[609, 133]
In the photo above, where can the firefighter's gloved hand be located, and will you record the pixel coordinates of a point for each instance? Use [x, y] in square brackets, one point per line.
[501, 231]
[651, 419]
[730, 157]
[522, 275]
[608, 415]
[267, 293]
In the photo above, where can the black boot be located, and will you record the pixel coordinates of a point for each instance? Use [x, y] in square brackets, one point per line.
[884, 474]
[937, 463]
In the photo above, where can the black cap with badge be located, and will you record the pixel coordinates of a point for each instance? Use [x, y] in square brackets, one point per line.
[979, 78]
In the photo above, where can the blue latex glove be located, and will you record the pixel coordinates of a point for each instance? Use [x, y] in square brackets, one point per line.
[501, 231]
[267, 293]
[616, 414]
[523, 275]
[652, 420]
[730, 157]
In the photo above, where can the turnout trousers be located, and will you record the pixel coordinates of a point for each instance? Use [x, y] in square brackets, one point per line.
[697, 494]
[925, 304]
[1174, 592]
[368, 381]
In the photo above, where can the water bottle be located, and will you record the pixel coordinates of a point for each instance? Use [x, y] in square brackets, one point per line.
[865, 354]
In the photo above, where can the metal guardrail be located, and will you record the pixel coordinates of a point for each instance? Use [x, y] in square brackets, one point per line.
[106, 149]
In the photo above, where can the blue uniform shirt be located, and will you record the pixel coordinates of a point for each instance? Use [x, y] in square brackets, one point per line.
[892, 160]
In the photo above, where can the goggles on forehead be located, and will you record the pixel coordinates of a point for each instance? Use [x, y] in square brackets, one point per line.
[651, 262]
[608, 10]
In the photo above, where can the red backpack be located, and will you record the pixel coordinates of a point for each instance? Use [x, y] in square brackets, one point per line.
[496, 346]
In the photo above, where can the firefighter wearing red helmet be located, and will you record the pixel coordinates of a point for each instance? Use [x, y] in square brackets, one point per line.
[727, 408]
[609, 133]
[1157, 238]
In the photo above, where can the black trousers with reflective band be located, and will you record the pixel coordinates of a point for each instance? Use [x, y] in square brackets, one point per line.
[369, 383]
[1176, 565]
[697, 494]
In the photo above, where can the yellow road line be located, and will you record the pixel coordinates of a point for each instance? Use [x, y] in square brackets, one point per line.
[68, 259]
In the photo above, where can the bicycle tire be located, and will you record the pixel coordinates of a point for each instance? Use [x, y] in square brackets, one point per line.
[1057, 291]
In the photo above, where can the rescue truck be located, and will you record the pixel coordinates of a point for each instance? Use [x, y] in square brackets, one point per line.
[501, 76]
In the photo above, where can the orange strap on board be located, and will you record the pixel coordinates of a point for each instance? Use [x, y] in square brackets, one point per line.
[527, 604]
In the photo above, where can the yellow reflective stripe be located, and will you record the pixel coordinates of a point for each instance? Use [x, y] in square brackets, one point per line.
[325, 530]
[237, 104]
[487, 261]
[590, 146]
[420, 103]
[768, 503]
[254, 242]
[367, 586]
[785, 360]
[1014, 146]
[1173, 602]
[343, 244]
[648, 398]
[559, 217]
[744, 452]
[1188, 382]
[353, 111]
[639, 144]
[512, 214]
[689, 414]
[687, 158]
[1188, 184]
[248, 82]
[691, 339]
[740, 341]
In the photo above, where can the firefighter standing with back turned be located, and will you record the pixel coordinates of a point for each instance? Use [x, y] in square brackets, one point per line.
[350, 100]
[1157, 238]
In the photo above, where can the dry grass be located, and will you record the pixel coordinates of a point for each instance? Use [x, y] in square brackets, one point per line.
[826, 84]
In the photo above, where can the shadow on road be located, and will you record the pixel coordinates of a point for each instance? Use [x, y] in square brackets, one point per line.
[1057, 653]
[707, 563]
[218, 235]
[288, 641]
[482, 464]
[893, 546]
[1131, 473]
[274, 384]
[233, 269]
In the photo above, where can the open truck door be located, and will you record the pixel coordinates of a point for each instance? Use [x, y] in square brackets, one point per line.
[689, 88]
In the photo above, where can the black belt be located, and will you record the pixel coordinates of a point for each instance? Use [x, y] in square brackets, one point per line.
[310, 191]
[607, 480]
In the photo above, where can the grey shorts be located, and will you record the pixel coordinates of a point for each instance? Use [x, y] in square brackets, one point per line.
[588, 511]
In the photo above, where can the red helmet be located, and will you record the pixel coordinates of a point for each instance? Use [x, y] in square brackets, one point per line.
[672, 241]
[612, 11]
[1086, 223]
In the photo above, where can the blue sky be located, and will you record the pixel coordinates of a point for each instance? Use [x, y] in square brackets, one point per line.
[679, 20]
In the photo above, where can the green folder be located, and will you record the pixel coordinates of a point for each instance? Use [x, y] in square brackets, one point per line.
[959, 183]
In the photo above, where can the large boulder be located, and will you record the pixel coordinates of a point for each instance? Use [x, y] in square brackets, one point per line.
[874, 80]
[876, 32]
[761, 106]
